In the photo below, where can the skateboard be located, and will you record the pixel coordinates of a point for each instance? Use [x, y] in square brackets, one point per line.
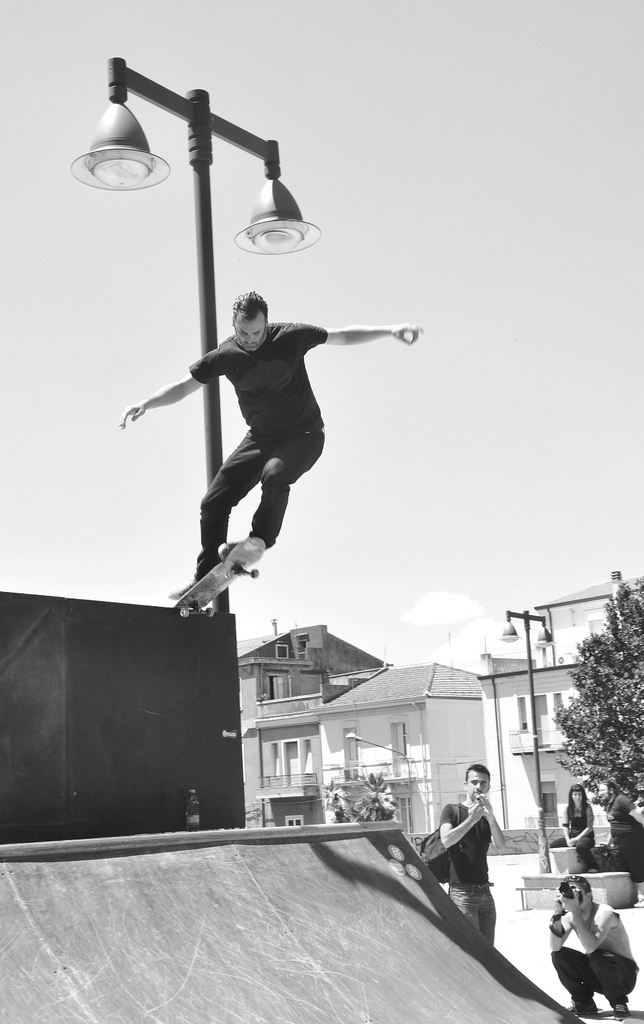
[194, 601]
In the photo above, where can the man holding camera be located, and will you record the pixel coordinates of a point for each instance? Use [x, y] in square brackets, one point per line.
[606, 965]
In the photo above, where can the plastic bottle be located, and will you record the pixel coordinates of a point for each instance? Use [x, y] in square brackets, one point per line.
[192, 812]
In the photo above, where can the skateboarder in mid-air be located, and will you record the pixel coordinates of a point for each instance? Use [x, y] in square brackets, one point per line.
[265, 364]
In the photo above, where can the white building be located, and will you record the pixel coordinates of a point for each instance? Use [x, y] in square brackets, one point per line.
[507, 709]
[420, 726]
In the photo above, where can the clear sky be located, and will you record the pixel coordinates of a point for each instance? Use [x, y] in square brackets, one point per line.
[475, 166]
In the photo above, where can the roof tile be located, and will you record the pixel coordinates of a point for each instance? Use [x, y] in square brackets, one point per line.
[412, 681]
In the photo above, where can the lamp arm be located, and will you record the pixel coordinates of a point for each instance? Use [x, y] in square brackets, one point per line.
[526, 617]
[122, 79]
[239, 137]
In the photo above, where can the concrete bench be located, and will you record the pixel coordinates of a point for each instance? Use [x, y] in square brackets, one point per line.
[616, 888]
[566, 861]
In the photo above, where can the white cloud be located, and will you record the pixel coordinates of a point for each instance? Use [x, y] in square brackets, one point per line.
[465, 649]
[442, 608]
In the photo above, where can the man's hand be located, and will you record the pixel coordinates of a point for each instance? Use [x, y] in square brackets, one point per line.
[477, 810]
[408, 333]
[486, 805]
[132, 412]
[568, 906]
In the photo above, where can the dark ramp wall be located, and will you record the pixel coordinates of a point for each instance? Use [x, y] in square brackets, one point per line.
[109, 714]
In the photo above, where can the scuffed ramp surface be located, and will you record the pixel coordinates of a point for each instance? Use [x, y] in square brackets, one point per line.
[337, 924]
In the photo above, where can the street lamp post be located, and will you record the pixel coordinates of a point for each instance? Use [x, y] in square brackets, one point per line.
[544, 639]
[360, 739]
[120, 160]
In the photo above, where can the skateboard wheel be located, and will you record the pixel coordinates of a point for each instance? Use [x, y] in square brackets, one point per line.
[254, 573]
[210, 612]
[184, 612]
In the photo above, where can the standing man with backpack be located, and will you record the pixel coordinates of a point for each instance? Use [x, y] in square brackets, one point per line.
[466, 831]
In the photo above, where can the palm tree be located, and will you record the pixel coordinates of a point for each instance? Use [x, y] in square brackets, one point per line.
[377, 804]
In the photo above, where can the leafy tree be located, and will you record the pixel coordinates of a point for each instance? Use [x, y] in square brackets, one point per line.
[603, 724]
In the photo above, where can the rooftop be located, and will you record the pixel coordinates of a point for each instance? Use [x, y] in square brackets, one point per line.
[595, 592]
[245, 647]
[413, 681]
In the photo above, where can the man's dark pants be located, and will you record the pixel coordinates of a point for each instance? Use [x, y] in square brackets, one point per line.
[277, 464]
[582, 974]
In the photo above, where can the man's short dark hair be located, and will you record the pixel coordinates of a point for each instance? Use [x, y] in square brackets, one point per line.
[249, 305]
[580, 882]
[480, 768]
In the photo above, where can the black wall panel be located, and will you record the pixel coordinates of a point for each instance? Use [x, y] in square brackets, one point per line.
[109, 713]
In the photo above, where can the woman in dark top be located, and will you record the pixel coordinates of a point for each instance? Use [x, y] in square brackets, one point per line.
[627, 833]
[578, 827]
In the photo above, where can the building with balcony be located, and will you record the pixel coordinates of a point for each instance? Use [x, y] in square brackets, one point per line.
[575, 616]
[507, 716]
[419, 725]
[285, 679]
[510, 746]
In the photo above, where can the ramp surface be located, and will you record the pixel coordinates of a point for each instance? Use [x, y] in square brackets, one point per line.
[339, 924]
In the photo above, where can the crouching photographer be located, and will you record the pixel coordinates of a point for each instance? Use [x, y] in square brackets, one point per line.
[606, 965]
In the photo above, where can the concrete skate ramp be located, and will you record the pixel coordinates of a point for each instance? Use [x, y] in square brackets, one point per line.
[337, 924]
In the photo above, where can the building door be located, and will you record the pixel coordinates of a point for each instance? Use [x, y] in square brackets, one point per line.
[291, 759]
[549, 803]
[544, 725]
[399, 746]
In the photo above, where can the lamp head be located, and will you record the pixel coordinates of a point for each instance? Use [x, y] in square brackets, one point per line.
[276, 224]
[544, 638]
[119, 158]
[509, 633]
[352, 736]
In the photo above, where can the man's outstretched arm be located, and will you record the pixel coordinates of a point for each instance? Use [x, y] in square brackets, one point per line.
[167, 395]
[358, 334]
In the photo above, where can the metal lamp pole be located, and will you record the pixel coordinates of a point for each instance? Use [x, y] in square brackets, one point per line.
[120, 159]
[510, 635]
[360, 739]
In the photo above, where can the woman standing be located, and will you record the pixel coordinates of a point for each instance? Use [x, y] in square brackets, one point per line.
[627, 833]
[578, 827]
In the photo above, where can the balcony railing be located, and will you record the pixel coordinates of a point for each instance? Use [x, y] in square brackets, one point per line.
[521, 740]
[288, 781]
[357, 771]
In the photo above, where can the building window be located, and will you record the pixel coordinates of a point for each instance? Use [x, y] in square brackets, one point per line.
[291, 760]
[523, 714]
[294, 819]
[279, 687]
[399, 746]
[351, 770]
[399, 739]
[302, 641]
[402, 812]
[307, 757]
[281, 650]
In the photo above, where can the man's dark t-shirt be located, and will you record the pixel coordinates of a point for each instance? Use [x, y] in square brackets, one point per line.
[622, 824]
[272, 385]
[468, 859]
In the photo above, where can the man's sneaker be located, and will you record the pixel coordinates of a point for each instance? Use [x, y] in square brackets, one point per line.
[251, 551]
[620, 1011]
[224, 549]
[176, 595]
[583, 1007]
